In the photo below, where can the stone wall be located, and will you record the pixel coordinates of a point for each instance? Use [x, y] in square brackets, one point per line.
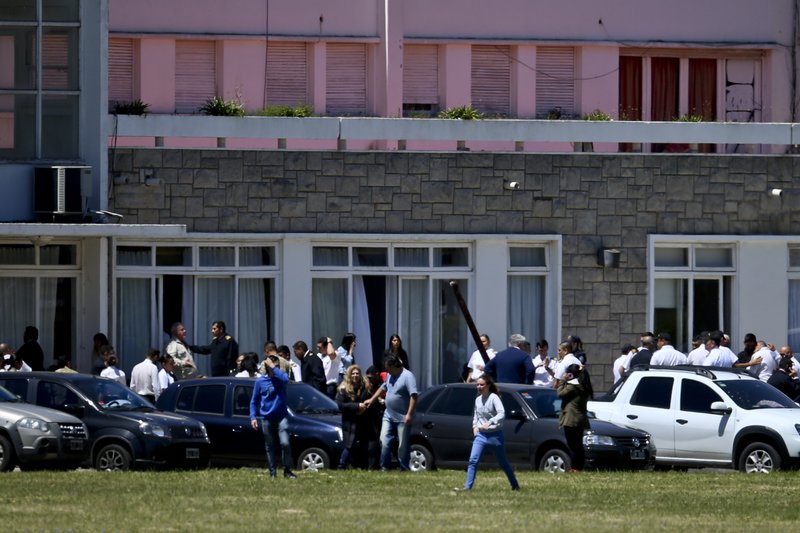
[592, 200]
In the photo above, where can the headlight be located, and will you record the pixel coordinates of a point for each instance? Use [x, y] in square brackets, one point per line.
[153, 429]
[36, 424]
[339, 432]
[592, 439]
[203, 430]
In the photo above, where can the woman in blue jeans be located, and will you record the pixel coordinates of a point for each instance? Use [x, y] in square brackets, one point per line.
[487, 426]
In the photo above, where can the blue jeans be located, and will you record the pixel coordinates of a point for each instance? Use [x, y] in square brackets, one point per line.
[390, 431]
[277, 431]
[496, 441]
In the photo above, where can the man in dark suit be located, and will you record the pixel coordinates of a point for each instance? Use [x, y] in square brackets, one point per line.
[223, 350]
[512, 365]
[645, 353]
[30, 352]
[311, 368]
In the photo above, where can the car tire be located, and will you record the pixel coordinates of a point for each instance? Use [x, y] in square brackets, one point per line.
[113, 457]
[7, 457]
[313, 459]
[555, 461]
[759, 457]
[421, 459]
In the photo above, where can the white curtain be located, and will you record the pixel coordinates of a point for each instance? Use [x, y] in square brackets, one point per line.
[794, 313]
[414, 328]
[450, 334]
[215, 301]
[19, 303]
[526, 306]
[254, 328]
[217, 256]
[328, 308]
[48, 288]
[363, 352]
[133, 321]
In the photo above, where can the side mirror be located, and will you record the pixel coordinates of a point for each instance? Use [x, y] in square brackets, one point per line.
[721, 408]
[75, 409]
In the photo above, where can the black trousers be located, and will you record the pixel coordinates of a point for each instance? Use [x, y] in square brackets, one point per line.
[574, 438]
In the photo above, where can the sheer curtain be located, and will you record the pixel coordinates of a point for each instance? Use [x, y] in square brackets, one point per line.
[328, 308]
[48, 288]
[450, 334]
[363, 352]
[794, 313]
[215, 301]
[414, 328]
[19, 300]
[526, 306]
[134, 306]
[254, 327]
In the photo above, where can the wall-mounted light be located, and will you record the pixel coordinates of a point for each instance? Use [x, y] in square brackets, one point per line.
[776, 192]
[511, 185]
[608, 257]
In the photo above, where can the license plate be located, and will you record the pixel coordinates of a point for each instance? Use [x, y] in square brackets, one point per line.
[637, 454]
[76, 445]
[193, 453]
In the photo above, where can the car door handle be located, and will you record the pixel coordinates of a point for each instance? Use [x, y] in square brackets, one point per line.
[681, 421]
[633, 417]
[237, 429]
[428, 425]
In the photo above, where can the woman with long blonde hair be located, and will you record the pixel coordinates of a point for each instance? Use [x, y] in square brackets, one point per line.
[353, 391]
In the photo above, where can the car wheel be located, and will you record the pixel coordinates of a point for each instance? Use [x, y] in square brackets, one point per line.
[421, 459]
[113, 457]
[7, 459]
[313, 459]
[759, 458]
[555, 461]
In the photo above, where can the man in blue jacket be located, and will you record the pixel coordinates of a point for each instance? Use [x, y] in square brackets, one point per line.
[512, 365]
[269, 403]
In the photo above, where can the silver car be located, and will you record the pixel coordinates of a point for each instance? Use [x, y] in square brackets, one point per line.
[39, 437]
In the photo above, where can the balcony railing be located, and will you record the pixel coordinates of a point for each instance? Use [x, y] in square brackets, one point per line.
[399, 133]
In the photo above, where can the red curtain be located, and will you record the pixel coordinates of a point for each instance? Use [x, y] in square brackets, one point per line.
[664, 94]
[630, 88]
[703, 88]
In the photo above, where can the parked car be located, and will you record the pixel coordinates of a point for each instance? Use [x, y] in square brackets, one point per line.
[125, 430]
[441, 433]
[701, 416]
[38, 437]
[222, 404]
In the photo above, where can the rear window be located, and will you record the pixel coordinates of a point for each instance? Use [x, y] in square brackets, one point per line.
[653, 392]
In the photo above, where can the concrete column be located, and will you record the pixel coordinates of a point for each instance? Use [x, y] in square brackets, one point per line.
[523, 81]
[598, 83]
[455, 75]
[317, 75]
[240, 71]
[157, 74]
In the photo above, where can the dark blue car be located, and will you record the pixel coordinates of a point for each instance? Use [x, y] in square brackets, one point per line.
[223, 405]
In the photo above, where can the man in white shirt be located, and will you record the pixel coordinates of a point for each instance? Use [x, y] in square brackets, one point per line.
[622, 363]
[767, 365]
[667, 355]
[565, 358]
[544, 366]
[144, 377]
[476, 362]
[331, 364]
[716, 356]
[699, 353]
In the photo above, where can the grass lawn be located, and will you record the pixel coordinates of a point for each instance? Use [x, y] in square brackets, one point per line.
[248, 500]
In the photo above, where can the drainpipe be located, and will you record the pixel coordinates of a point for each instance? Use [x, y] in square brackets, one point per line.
[796, 22]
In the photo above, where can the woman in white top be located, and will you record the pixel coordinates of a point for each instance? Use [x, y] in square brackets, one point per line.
[165, 375]
[112, 372]
[487, 426]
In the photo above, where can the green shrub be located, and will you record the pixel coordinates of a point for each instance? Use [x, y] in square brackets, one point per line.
[690, 118]
[217, 107]
[464, 112]
[303, 110]
[137, 107]
[597, 114]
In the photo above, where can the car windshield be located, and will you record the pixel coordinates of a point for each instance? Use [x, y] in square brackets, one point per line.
[755, 394]
[304, 399]
[110, 395]
[8, 396]
[544, 402]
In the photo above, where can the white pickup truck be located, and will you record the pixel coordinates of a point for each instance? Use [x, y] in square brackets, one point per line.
[707, 417]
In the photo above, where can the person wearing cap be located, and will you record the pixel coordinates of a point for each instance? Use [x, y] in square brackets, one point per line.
[577, 348]
[667, 355]
[716, 356]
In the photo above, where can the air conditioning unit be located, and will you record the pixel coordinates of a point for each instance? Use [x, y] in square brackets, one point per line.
[60, 193]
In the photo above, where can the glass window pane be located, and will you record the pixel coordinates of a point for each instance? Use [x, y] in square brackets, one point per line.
[794, 257]
[60, 59]
[215, 301]
[18, 67]
[794, 313]
[210, 399]
[60, 127]
[252, 256]
[450, 335]
[18, 10]
[19, 295]
[526, 306]
[134, 256]
[173, 256]
[527, 257]
[671, 257]
[697, 397]
[255, 314]
[17, 254]
[217, 256]
[451, 257]
[133, 320]
[57, 307]
[706, 305]
[371, 257]
[411, 257]
[17, 126]
[60, 10]
[670, 313]
[713, 257]
[58, 254]
[653, 392]
[328, 307]
[415, 326]
[330, 256]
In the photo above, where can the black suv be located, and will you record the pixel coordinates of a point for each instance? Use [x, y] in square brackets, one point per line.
[124, 429]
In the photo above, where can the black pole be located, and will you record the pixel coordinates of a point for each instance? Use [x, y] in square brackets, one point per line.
[470, 324]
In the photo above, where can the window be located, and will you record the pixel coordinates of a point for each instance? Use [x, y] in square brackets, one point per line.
[420, 80]
[120, 71]
[526, 286]
[242, 394]
[346, 79]
[195, 74]
[455, 402]
[39, 89]
[55, 395]
[653, 392]
[287, 74]
[186, 399]
[16, 386]
[555, 82]
[491, 79]
[210, 399]
[697, 397]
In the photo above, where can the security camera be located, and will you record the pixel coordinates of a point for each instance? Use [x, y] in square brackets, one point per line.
[776, 192]
[513, 185]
